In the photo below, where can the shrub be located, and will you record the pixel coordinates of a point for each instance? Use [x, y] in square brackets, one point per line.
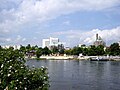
[15, 75]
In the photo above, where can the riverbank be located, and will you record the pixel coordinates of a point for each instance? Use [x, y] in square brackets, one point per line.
[53, 58]
[110, 58]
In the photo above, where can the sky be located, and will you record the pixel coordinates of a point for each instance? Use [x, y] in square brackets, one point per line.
[74, 22]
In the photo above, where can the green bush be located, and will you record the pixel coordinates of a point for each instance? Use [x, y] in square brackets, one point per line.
[15, 75]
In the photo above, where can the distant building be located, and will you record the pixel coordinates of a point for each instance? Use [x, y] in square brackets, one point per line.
[54, 41]
[67, 48]
[51, 42]
[99, 41]
[45, 43]
[14, 46]
[82, 45]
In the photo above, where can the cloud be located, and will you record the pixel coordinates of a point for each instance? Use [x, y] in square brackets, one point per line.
[17, 40]
[74, 37]
[17, 14]
[66, 23]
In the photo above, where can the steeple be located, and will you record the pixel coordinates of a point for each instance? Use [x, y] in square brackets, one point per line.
[96, 36]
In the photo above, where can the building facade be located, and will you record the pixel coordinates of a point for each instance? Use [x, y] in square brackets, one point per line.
[51, 42]
[45, 43]
[99, 41]
[54, 41]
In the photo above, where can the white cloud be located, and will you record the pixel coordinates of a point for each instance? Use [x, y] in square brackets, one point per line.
[35, 11]
[15, 14]
[66, 22]
[74, 37]
[13, 40]
[19, 39]
[8, 39]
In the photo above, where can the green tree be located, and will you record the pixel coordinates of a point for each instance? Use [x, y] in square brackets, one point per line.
[85, 51]
[28, 48]
[68, 52]
[54, 49]
[76, 50]
[46, 51]
[61, 51]
[39, 52]
[92, 51]
[114, 49]
[23, 49]
[100, 50]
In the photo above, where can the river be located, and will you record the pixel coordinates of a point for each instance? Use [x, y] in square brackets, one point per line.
[81, 75]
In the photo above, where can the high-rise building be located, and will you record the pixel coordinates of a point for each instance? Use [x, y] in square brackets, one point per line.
[51, 42]
[54, 41]
[45, 43]
[99, 41]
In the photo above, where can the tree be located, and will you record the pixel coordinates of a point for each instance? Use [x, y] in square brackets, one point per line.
[39, 52]
[54, 49]
[92, 51]
[0, 47]
[46, 51]
[76, 50]
[23, 49]
[28, 48]
[114, 49]
[100, 50]
[85, 51]
[61, 51]
[68, 52]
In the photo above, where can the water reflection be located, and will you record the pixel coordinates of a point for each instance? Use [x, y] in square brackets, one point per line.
[81, 75]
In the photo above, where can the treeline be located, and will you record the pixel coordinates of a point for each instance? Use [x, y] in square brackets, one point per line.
[92, 50]
[38, 51]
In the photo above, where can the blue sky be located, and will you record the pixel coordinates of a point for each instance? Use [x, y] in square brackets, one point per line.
[72, 21]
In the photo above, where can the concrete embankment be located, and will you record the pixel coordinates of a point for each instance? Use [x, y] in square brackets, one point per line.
[110, 58]
[57, 57]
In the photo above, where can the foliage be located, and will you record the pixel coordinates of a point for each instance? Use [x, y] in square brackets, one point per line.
[39, 52]
[54, 49]
[68, 52]
[76, 51]
[90, 51]
[15, 75]
[114, 49]
[46, 51]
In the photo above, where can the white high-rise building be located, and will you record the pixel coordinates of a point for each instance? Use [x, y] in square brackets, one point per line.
[54, 41]
[45, 43]
[50, 42]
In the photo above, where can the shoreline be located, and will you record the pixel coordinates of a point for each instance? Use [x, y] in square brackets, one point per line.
[110, 58]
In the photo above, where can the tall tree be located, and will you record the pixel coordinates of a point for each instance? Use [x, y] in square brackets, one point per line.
[46, 51]
[114, 49]
[39, 52]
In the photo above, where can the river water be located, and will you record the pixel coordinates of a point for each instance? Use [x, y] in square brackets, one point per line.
[81, 75]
